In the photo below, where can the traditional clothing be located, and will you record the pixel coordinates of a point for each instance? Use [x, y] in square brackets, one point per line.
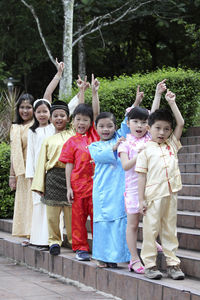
[75, 151]
[109, 221]
[163, 181]
[23, 197]
[39, 228]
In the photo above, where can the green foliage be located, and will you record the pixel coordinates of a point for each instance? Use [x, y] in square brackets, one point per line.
[6, 196]
[118, 94]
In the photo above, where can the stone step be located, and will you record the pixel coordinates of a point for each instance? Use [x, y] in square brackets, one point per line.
[193, 131]
[189, 168]
[190, 190]
[189, 239]
[190, 178]
[190, 140]
[188, 219]
[190, 149]
[189, 158]
[189, 203]
[118, 282]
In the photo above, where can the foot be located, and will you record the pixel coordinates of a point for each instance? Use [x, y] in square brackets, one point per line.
[25, 243]
[136, 266]
[82, 255]
[54, 249]
[102, 264]
[175, 272]
[112, 265]
[159, 247]
[153, 273]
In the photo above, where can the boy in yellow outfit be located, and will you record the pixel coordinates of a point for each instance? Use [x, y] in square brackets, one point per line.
[158, 183]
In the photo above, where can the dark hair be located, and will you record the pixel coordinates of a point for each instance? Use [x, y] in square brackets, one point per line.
[104, 115]
[161, 115]
[22, 98]
[138, 113]
[58, 104]
[36, 123]
[85, 110]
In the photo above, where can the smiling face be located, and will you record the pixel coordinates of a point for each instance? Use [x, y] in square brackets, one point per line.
[106, 129]
[160, 131]
[26, 111]
[42, 114]
[59, 119]
[81, 123]
[137, 127]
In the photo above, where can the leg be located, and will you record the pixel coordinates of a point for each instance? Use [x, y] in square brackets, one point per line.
[90, 212]
[68, 222]
[53, 219]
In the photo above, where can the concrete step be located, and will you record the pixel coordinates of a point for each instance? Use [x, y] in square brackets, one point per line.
[190, 178]
[190, 149]
[193, 131]
[189, 239]
[189, 167]
[190, 190]
[190, 140]
[118, 282]
[188, 219]
[189, 158]
[189, 203]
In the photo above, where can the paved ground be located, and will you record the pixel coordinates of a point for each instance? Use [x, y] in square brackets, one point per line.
[19, 282]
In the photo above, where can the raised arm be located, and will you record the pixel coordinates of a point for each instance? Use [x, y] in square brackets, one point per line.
[95, 97]
[139, 97]
[83, 85]
[171, 97]
[54, 82]
[160, 89]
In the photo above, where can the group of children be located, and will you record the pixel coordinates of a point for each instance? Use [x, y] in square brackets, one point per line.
[113, 176]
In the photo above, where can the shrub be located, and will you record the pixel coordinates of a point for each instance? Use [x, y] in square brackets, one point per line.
[118, 94]
[6, 195]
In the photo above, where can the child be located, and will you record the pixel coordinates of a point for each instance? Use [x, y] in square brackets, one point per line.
[128, 151]
[79, 171]
[158, 183]
[49, 178]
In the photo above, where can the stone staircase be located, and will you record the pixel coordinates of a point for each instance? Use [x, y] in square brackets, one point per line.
[120, 282]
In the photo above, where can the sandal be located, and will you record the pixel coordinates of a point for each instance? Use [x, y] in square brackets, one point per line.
[112, 265]
[101, 264]
[139, 270]
[25, 243]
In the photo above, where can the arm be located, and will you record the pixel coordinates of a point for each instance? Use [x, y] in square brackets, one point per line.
[30, 157]
[171, 97]
[83, 85]
[12, 177]
[139, 97]
[95, 97]
[141, 189]
[54, 82]
[68, 172]
[127, 163]
[160, 88]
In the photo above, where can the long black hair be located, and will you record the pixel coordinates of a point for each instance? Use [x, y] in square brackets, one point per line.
[35, 106]
[22, 98]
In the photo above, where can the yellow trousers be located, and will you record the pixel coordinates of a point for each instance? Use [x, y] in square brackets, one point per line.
[53, 219]
[160, 219]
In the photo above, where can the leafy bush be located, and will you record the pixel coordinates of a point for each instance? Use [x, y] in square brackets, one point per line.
[118, 94]
[6, 196]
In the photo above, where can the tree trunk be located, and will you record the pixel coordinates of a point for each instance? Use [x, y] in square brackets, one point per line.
[66, 80]
[81, 51]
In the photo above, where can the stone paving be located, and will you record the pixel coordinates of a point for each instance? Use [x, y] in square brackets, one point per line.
[19, 282]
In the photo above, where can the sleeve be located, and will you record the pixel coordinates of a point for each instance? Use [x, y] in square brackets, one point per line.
[176, 145]
[141, 163]
[38, 183]
[67, 153]
[72, 104]
[123, 147]
[103, 156]
[124, 129]
[30, 159]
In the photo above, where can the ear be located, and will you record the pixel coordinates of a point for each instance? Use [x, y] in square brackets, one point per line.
[128, 123]
[148, 127]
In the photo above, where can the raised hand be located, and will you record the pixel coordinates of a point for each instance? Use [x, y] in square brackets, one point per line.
[60, 66]
[82, 84]
[95, 84]
[170, 97]
[161, 87]
[139, 95]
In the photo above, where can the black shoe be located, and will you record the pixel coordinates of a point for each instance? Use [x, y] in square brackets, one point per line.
[54, 249]
[82, 255]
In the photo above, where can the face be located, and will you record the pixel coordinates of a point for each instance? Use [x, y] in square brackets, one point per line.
[106, 129]
[42, 114]
[160, 131]
[137, 127]
[26, 111]
[81, 123]
[59, 119]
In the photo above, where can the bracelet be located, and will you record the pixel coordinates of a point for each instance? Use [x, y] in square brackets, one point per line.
[57, 77]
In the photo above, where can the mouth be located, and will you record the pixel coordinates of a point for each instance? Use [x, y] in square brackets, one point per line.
[139, 131]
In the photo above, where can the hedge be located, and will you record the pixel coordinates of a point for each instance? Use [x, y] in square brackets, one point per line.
[117, 94]
[6, 195]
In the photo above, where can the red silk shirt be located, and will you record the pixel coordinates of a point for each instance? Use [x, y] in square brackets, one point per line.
[75, 151]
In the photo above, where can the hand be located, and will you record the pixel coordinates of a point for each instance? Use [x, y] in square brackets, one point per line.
[170, 97]
[82, 85]
[60, 66]
[38, 192]
[143, 207]
[121, 139]
[12, 183]
[139, 95]
[161, 87]
[70, 195]
[95, 84]
[140, 147]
